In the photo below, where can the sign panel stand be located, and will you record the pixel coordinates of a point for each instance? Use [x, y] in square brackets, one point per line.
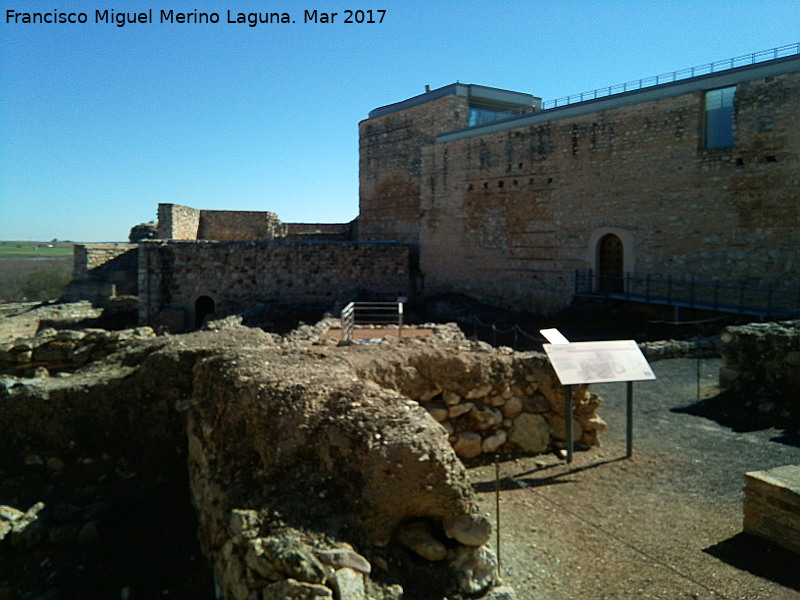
[596, 362]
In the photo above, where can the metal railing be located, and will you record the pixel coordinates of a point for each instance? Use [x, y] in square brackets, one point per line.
[370, 313]
[715, 67]
[689, 292]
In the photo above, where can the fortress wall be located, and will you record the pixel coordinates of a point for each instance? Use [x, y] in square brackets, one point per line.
[176, 222]
[390, 160]
[236, 275]
[525, 207]
[87, 258]
[239, 225]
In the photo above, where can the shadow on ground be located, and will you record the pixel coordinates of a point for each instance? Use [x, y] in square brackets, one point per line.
[758, 557]
[735, 414]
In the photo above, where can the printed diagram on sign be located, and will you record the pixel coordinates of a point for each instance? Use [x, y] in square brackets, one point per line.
[599, 362]
[601, 366]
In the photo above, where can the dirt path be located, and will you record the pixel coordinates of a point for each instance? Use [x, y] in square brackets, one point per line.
[664, 524]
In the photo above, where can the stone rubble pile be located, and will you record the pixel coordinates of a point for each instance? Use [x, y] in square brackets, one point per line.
[52, 351]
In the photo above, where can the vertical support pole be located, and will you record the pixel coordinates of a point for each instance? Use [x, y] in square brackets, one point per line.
[497, 503]
[399, 319]
[568, 421]
[629, 412]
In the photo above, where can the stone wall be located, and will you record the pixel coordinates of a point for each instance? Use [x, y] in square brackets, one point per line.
[321, 231]
[176, 222]
[236, 275]
[103, 271]
[761, 363]
[239, 225]
[489, 401]
[308, 480]
[527, 206]
[88, 258]
[50, 351]
[390, 166]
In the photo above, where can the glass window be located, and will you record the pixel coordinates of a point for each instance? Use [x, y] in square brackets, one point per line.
[719, 118]
[481, 116]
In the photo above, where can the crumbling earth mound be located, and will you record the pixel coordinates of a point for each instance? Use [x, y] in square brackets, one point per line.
[309, 478]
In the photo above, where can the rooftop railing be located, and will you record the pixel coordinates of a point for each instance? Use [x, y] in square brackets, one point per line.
[715, 67]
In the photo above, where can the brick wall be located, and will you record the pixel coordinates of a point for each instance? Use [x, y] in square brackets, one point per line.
[236, 275]
[509, 216]
[390, 160]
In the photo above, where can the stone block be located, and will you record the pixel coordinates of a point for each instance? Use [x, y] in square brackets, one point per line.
[772, 505]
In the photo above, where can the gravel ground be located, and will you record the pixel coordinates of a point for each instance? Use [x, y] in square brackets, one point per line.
[664, 524]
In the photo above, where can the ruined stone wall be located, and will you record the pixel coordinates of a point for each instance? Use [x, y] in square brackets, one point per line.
[239, 225]
[390, 161]
[176, 222]
[235, 275]
[490, 402]
[101, 271]
[321, 231]
[525, 207]
[88, 257]
[761, 363]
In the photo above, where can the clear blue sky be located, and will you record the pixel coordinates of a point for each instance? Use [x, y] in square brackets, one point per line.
[99, 124]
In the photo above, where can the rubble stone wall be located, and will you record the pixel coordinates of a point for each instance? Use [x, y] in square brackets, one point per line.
[239, 225]
[490, 402]
[102, 271]
[176, 222]
[762, 360]
[236, 275]
[312, 484]
[88, 258]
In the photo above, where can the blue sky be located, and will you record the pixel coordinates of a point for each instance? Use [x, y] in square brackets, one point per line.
[99, 124]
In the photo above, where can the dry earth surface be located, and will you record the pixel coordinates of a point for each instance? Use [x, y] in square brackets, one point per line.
[664, 524]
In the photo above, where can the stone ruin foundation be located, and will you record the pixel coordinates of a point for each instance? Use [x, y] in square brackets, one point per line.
[316, 471]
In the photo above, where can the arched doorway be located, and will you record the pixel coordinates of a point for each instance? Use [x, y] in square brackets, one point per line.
[610, 264]
[203, 308]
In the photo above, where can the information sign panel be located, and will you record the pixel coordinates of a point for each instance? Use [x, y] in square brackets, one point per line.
[598, 362]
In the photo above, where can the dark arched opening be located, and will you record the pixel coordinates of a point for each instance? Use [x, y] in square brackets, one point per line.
[203, 308]
[610, 264]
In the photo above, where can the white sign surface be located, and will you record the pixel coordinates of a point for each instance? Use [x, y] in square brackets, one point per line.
[554, 336]
[598, 362]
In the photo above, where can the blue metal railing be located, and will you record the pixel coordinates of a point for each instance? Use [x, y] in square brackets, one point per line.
[715, 67]
[776, 301]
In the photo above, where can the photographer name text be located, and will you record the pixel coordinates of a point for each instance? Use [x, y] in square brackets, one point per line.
[194, 17]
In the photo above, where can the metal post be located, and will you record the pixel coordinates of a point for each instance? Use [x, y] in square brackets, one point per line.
[399, 319]
[568, 421]
[497, 503]
[630, 420]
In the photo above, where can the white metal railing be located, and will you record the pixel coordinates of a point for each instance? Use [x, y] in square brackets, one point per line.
[370, 313]
[715, 67]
